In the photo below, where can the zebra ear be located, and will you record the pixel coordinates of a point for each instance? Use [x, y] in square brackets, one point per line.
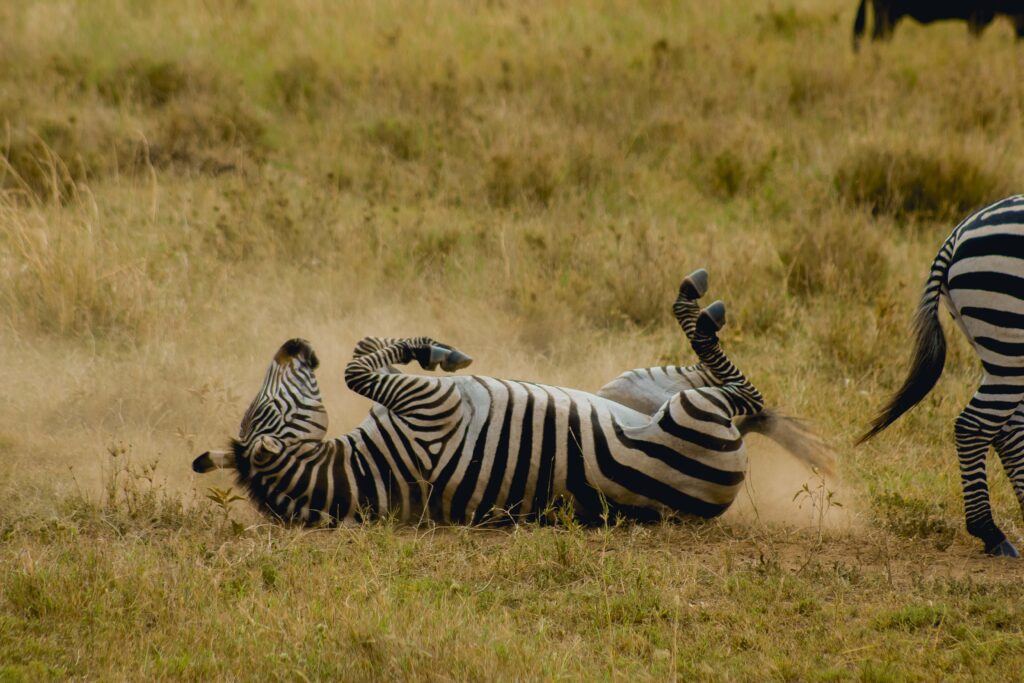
[271, 445]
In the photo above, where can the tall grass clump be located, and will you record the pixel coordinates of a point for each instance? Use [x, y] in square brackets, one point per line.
[149, 83]
[913, 184]
[835, 254]
[62, 273]
[48, 158]
[528, 176]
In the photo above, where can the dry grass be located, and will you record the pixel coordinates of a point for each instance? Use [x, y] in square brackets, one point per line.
[528, 182]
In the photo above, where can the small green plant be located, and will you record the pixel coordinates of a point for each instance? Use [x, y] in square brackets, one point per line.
[224, 499]
[133, 495]
[821, 499]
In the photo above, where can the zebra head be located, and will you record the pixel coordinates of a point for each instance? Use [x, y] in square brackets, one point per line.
[286, 415]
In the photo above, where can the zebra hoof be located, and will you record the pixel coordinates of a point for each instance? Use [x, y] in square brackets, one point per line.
[433, 357]
[711, 319]
[695, 285]
[1004, 549]
[455, 360]
[445, 357]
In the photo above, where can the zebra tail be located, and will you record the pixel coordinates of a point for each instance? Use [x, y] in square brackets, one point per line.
[794, 435]
[859, 24]
[929, 351]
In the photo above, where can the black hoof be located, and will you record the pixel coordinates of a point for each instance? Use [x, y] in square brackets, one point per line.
[456, 360]
[1004, 549]
[695, 285]
[711, 319]
[447, 358]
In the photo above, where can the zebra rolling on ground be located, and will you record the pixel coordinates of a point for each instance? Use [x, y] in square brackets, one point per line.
[979, 274]
[469, 449]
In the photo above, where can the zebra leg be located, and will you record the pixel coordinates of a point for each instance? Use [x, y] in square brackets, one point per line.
[976, 429]
[978, 21]
[884, 22]
[739, 393]
[686, 308]
[646, 389]
[1009, 445]
[687, 312]
[367, 374]
[368, 345]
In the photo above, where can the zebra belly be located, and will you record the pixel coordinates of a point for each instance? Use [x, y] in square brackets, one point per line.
[512, 460]
[527, 446]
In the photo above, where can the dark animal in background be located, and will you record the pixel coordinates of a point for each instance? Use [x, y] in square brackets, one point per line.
[978, 14]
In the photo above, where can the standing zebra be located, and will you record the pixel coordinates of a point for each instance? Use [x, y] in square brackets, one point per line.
[979, 274]
[468, 449]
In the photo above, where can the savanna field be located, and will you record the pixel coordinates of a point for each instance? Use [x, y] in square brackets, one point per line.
[184, 186]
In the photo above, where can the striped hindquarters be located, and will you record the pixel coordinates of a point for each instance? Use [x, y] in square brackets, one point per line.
[985, 286]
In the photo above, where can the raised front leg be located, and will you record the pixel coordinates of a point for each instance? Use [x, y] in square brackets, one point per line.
[424, 398]
[646, 389]
[368, 345]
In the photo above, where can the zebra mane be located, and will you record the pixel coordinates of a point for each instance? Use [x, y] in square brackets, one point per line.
[254, 484]
[243, 474]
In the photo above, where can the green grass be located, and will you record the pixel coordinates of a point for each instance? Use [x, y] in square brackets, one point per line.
[185, 185]
[133, 586]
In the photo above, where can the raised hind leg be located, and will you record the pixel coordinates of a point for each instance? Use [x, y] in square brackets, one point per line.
[646, 389]
[743, 398]
[979, 426]
[686, 309]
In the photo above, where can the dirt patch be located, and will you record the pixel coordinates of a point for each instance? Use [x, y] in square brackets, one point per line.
[780, 490]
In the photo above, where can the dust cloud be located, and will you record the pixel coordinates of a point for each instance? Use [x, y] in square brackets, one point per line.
[780, 490]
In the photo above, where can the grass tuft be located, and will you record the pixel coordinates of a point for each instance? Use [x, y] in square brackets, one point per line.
[910, 184]
[148, 83]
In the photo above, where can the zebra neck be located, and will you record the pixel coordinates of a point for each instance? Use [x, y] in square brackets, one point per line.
[386, 469]
[308, 484]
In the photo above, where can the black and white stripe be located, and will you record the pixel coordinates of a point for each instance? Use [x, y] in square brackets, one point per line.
[979, 274]
[468, 449]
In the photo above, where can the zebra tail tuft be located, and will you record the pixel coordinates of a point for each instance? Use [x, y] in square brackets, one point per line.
[929, 355]
[794, 435]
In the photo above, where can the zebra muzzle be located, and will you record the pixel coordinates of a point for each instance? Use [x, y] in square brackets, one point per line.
[213, 460]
